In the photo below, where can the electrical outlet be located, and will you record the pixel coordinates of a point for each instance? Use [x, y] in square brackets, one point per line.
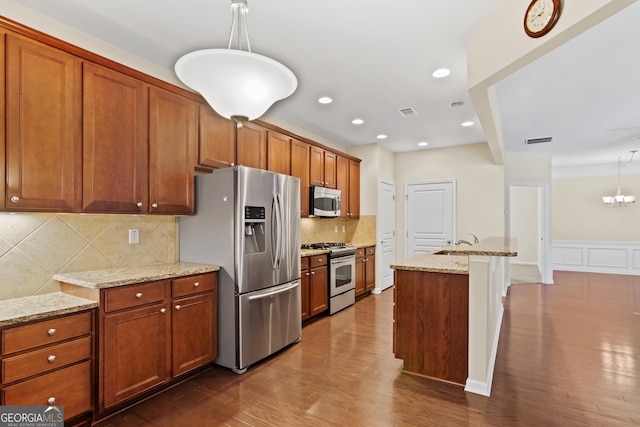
[134, 236]
[336, 229]
[344, 229]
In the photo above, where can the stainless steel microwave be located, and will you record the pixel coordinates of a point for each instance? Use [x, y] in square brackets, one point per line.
[324, 202]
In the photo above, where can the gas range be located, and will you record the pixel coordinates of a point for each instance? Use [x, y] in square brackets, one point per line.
[335, 249]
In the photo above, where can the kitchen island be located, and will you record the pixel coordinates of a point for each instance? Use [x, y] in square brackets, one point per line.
[448, 311]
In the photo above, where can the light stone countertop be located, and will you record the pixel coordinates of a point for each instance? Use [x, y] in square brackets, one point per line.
[112, 277]
[18, 310]
[457, 262]
[313, 252]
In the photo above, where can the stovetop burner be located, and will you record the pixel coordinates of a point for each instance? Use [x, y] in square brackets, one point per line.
[335, 248]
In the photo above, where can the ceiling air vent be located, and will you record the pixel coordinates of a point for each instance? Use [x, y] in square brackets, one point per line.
[408, 111]
[538, 140]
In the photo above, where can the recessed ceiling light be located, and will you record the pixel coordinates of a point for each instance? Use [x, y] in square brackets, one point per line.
[467, 124]
[357, 121]
[382, 136]
[441, 72]
[325, 100]
[423, 143]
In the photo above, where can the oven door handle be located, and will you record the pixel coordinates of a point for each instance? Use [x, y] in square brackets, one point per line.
[343, 261]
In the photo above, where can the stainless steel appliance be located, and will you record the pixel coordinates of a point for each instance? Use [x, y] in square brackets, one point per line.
[342, 274]
[247, 221]
[324, 201]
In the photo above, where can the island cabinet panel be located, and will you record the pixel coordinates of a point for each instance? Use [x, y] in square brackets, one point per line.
[43, 127]
[173, 127]
[252, 146]
[216, 139]
[431, 324]
[300, 158]
[115, 141]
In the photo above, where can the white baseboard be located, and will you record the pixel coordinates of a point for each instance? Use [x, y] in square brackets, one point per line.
[596, 257]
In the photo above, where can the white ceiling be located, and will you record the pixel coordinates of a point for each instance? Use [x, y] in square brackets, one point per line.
[374, 57]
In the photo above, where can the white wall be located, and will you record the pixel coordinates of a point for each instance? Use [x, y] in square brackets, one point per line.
[479, 187]
[526, 223]
[377, 163]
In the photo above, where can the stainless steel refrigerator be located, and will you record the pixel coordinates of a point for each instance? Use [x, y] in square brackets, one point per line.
[247, 221]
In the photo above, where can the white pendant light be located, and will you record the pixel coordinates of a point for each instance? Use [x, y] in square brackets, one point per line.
[239, 85]
[619, 199]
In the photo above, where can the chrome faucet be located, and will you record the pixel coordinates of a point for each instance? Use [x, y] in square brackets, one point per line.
[466, 242]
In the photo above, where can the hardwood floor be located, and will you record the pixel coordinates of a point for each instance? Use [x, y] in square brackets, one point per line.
[569, 355]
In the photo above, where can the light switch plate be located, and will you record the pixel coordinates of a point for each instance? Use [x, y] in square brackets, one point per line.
[134, 236]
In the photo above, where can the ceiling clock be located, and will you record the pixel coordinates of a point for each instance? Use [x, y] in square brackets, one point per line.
[541, 16]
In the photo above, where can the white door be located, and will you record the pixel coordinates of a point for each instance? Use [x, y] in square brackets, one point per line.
[429, 216]
[386, 226]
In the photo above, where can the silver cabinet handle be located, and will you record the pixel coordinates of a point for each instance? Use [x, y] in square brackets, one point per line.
[51, 358]
[307, 274]
[154, 205]
[139, 204]
[15, 199]
[178, 307]
[313, 272]
[51, 401]
[51, 332]
[195, 285]
[139, 295]
[163, 310]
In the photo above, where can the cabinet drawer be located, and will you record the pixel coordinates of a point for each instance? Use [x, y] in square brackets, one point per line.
[359, 252]
[317, 260]
[371, 250]
[45, 332]
[69, 387]
[193, 285]
[304, 263]
[46, 359]
[132, 296]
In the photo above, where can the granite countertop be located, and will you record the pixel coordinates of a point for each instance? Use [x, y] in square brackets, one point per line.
[112, 277]
[457, 259]
[313, 252]
[18, 310]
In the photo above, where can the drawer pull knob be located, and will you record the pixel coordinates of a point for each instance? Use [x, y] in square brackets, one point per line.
[51, 332]
[178, 307]
[51, 401]
[139, 295]
[51, 358]
[163, 310]
[139, 204]
[313, 272]
[15, 199]
[195, 285]
[307, 274]
[154, 205]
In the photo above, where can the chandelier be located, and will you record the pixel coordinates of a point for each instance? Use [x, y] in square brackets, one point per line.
[619, 199]
[238, 84]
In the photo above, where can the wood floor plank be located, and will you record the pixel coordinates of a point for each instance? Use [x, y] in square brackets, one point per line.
[569, 355]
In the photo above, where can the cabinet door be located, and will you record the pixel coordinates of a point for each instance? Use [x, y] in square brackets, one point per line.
[354, 189]
[217, 139]
[252, 146]
[370, 272]
[330, 165]
[172, 142]
[316, 167]
[115, 142]
[135, 353]
[360, 276]
[300, 155]
[278, 152]
[342, 184]
[305, 293]
[194, 332]
[318, 290]
[42, 127]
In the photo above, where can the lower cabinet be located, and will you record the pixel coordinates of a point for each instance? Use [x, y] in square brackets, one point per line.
[49, 363]
[151, 333]
[315, 286]
[365, 270]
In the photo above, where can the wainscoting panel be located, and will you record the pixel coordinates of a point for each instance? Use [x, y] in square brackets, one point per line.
[597, 257]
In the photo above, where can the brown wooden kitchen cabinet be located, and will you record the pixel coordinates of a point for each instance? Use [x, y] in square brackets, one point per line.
[49, 362]
[278, 152]
[348, 182]
[43, 139]
[300, 158]
[322, 169]
[305, 278]
[318, 285]
[365, 270]
[251, 146]
[216, 139]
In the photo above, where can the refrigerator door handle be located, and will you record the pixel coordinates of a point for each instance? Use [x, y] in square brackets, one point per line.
[274, 292]
[280, 254]
[274, 232]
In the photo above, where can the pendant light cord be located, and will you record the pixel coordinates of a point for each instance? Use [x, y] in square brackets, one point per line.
[239, 19]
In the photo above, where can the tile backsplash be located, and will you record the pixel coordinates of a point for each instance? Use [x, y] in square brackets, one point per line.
[34, 247]
[314, 230]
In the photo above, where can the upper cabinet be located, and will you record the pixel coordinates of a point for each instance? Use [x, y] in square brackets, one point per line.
[278, 152]
[322, 172]
[348, 182]
[252, 145]
[42, 127]
[300, 158]
[216, 140]
[115, 141]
